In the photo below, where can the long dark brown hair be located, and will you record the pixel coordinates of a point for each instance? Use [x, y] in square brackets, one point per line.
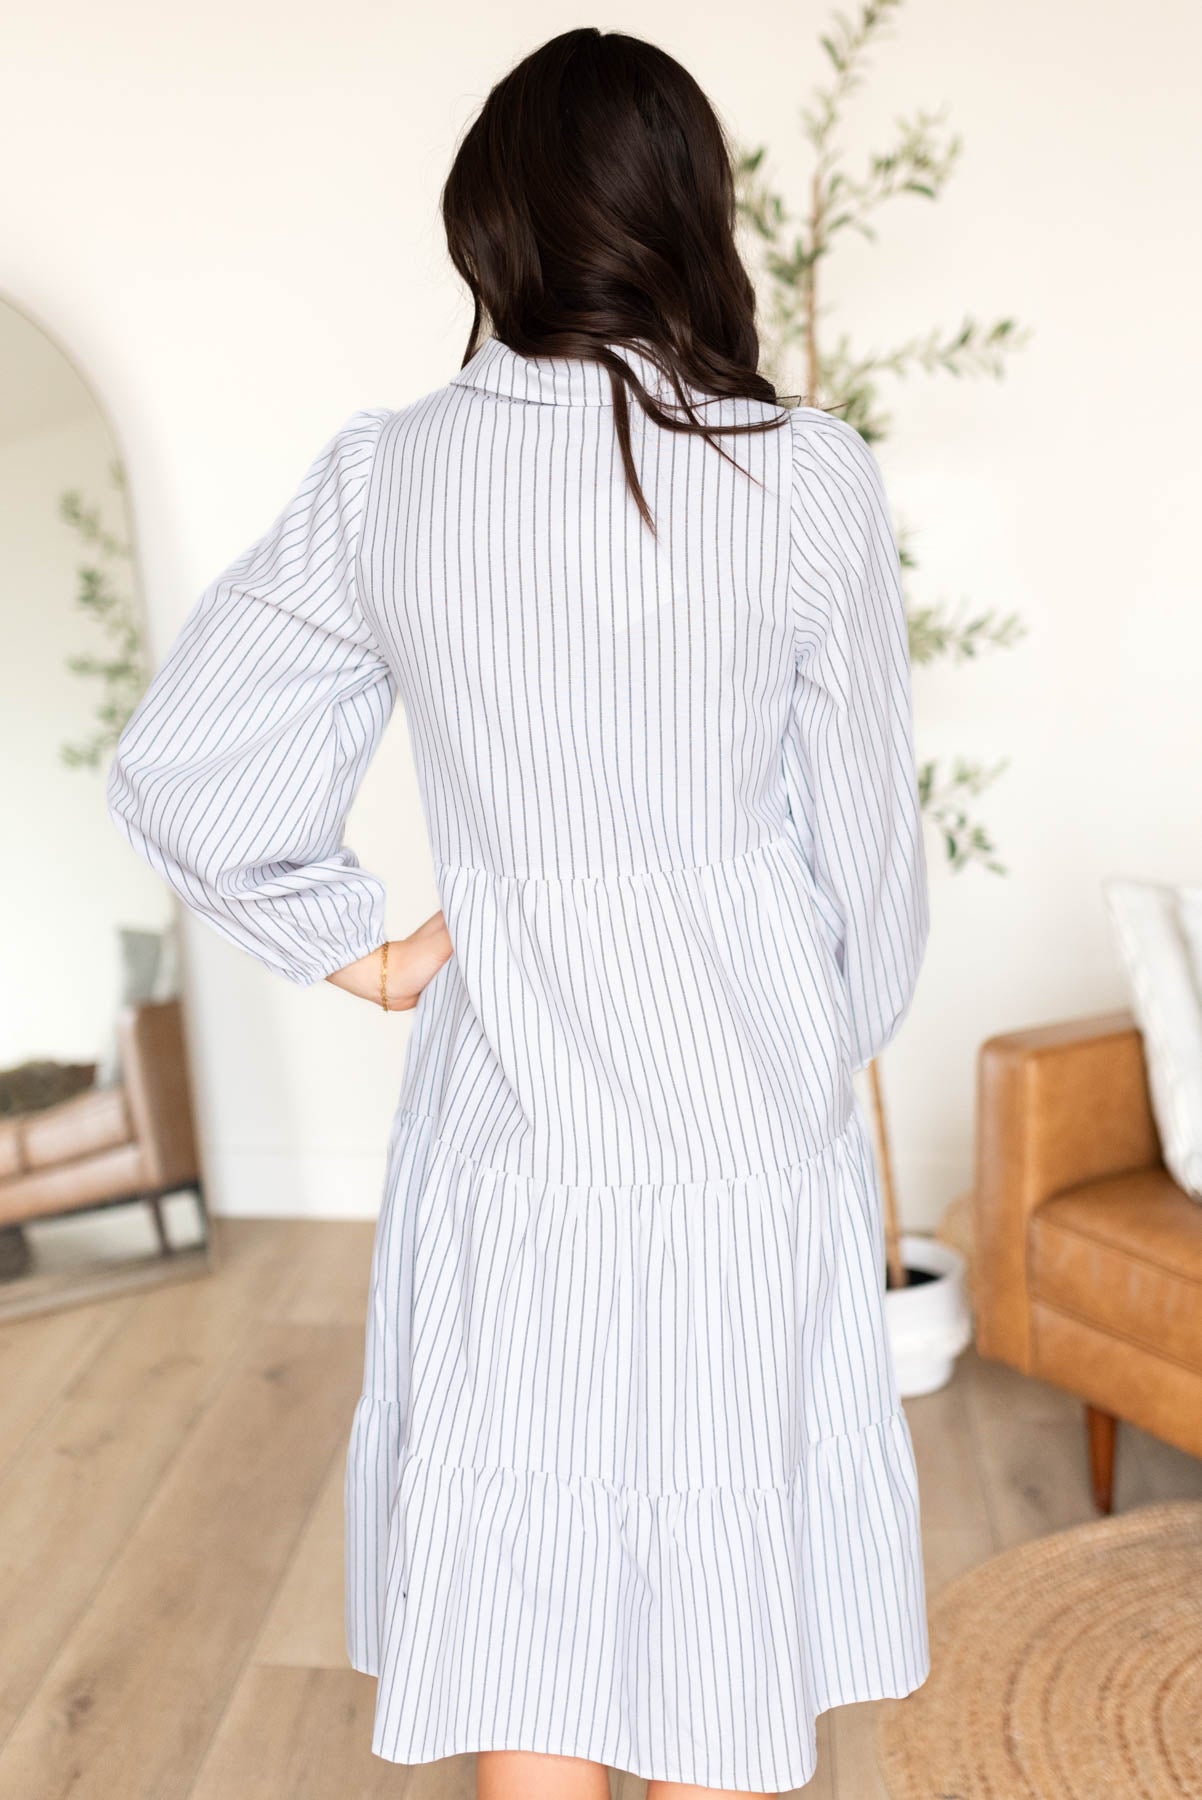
[591, 206]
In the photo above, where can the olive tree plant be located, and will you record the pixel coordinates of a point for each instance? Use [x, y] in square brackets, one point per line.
[117, 665]
[791, 242]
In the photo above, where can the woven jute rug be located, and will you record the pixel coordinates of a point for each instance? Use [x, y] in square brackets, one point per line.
[1069, 1669]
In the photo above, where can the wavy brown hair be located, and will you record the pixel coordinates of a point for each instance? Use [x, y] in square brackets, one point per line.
[591, 206]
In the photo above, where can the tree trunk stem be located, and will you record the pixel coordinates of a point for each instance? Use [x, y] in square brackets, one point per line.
[893, 1250]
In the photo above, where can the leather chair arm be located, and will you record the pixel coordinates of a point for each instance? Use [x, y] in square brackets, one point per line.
[1056, 1106]
[154, 1073]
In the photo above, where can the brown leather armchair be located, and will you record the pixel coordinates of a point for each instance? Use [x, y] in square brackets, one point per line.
[110, 1145]
[1087, 1255]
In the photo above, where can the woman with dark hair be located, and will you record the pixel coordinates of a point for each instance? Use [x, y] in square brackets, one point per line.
[628, 1483]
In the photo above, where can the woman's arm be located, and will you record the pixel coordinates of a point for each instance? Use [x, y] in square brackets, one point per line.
[849, 760]
[236, 772]
[412, 962]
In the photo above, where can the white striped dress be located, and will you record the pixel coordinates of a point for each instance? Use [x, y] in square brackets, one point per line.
[628, 1479]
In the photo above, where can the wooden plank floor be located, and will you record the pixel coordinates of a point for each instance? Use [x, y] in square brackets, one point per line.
[171, 1533]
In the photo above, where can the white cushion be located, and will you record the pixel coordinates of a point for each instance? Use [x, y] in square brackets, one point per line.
[1159, 930]
[1189, 906]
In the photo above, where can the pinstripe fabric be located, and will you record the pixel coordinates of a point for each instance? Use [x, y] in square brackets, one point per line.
[628, 1479]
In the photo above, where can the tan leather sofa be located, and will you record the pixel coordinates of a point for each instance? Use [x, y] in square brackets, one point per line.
[1087, 1256]
[131, 1142]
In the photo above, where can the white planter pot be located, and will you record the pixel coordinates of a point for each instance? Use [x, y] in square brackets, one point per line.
[931, 1324]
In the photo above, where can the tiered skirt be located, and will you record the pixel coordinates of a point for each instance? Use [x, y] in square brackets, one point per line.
[629, 1479]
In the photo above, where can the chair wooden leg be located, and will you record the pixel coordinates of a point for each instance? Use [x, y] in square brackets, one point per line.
[155, 1202]
[1103, 1431]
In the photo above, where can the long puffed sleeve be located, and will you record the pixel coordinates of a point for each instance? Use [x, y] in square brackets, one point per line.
[849, 758]
[235, 774]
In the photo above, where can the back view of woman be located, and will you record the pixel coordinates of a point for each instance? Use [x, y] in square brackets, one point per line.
[628, 1483]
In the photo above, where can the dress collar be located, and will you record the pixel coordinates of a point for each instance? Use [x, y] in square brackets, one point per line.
[558, 380]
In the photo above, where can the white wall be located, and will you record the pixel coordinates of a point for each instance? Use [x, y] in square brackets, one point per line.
[66, 883]
[230, 214]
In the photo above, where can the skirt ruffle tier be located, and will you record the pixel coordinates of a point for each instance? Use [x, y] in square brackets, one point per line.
[629, 1479]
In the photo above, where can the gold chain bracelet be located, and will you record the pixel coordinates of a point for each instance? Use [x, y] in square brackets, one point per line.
[384, 976]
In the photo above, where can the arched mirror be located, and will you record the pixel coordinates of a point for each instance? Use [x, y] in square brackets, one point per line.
[100, 1184]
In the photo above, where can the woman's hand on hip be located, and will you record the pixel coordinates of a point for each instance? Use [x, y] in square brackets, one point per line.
[412, 961]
